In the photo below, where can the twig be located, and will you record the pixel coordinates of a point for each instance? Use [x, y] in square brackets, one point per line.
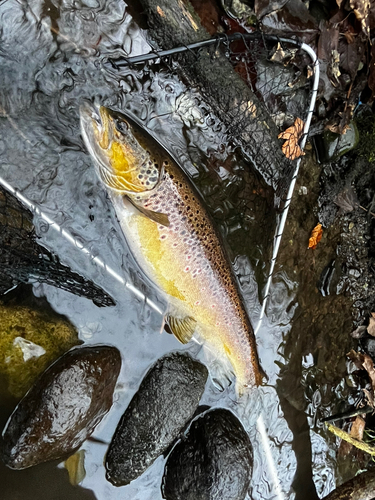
[349, 439]
[365, 209]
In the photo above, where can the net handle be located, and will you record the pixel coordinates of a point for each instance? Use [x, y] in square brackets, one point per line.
[74, 241]
[285, 210]
[124, 62]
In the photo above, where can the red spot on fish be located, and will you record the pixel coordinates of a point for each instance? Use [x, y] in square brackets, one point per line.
[187, 269]
[213, 306]
[197, 302]
[188, 257]
[217, 323]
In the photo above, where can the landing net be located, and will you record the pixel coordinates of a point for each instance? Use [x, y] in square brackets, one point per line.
[23, 260]
[258, 85]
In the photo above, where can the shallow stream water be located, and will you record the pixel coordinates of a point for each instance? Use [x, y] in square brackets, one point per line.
[50, 59]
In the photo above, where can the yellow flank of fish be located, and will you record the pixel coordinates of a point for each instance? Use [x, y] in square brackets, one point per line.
[159, 258]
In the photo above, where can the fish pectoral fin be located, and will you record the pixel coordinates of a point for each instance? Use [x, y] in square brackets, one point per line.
[157, 217]
[182, 328]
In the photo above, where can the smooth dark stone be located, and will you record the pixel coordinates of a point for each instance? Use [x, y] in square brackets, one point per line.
[212, 462]
[166, 399]
[62, 408]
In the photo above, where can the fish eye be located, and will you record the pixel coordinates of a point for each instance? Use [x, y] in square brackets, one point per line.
[122, 126]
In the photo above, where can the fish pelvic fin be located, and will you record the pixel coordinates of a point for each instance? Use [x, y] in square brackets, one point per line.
[182, 328]
[157, 217]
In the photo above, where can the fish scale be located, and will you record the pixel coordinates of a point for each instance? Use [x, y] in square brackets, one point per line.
[185, 258]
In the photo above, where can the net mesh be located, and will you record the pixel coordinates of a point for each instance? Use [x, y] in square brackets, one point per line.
[23, 260]
[256, 84]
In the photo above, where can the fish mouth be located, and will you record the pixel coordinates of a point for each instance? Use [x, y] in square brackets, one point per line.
[99, 121]
[89, 111]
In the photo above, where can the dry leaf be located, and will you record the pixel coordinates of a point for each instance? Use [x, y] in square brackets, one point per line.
[371, 325]
[347, 200]
[361, 9]
[358, 427]
[356, 432]
[369, 398]
[368, 365]
[316, 236]
[357, 358]
[349, 36]
[364, 361]
[292, 135]
[359, 332]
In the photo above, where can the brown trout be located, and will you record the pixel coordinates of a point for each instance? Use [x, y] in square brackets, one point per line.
[172, 237]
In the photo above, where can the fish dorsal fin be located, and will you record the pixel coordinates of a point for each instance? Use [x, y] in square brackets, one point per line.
[158, 217]
[182, 328]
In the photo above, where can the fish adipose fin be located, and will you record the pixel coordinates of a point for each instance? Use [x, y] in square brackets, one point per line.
[182, 328]
[157, 217]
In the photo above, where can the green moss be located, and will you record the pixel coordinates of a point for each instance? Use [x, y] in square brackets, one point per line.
[366, 127]
[49, 331]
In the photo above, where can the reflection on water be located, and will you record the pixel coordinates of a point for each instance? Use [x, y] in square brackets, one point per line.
[50, 61]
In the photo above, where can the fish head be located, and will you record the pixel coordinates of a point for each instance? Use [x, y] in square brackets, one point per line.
[125, 158]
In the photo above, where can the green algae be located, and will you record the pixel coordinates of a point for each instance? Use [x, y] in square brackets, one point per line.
[20, 361]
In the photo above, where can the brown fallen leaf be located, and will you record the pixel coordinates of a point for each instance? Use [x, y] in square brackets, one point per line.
[347, 200]
[316, 236]
[363, 361]
[358, 428]
[361, 9]
[359, 332]
[369, 397]
[371, 325]
[357, 358]
[292, 135]
[356, 432]
[368, 365]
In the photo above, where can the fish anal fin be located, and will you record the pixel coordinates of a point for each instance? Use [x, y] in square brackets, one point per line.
[182, 328]
[157, 217]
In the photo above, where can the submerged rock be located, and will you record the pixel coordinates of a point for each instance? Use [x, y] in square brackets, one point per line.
[331, 146]
[214, 461]
[63, 407]
[166, 400]
[30, 340]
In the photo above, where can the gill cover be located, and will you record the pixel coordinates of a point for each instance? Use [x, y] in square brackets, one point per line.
[123, 158]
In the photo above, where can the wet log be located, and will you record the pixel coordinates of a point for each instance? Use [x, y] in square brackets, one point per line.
[173, 24]
[361, 487]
